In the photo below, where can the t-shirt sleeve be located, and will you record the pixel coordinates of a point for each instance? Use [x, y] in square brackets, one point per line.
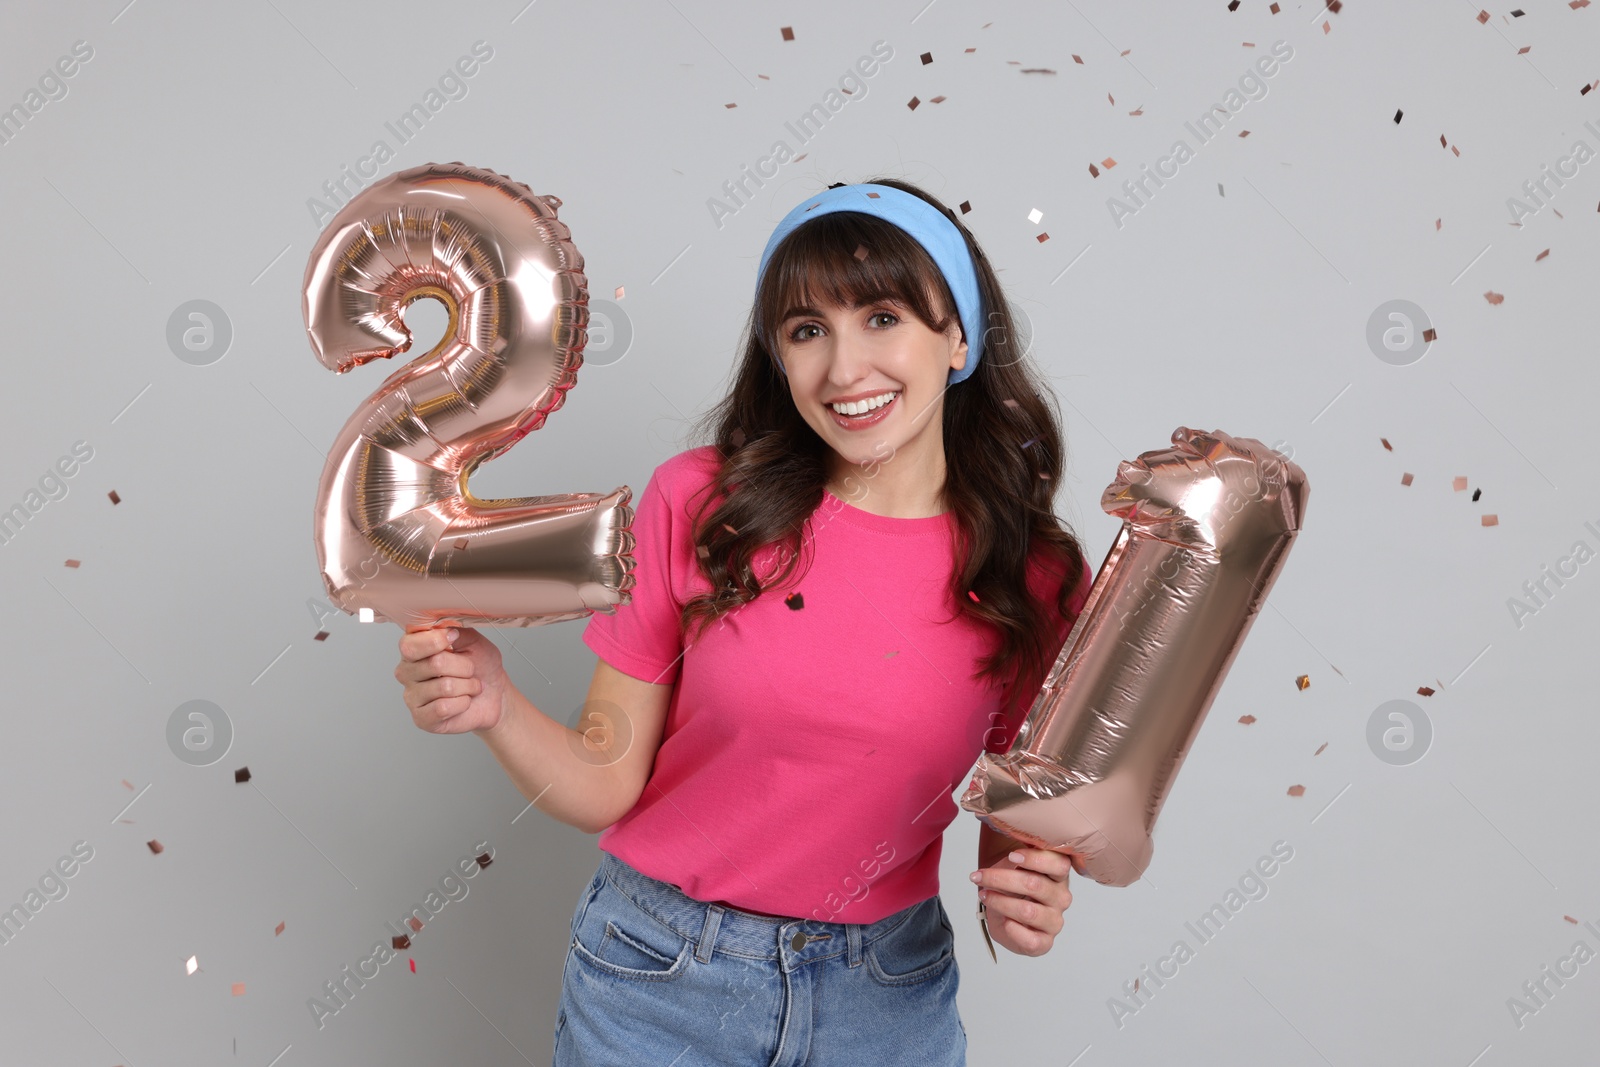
[641, 638]
[1014, 707]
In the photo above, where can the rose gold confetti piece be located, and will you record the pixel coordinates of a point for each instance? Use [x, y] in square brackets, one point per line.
[926, 57]
[413, 962]
[1297, 790]
[1405, 479]
[415, 924]
[937, 100]
[1273, 9]
[461, 544]
[1111, 100]
[278, 930]
[1125, 51]
[1438, 224]
[1386, 443]
[1425, 691]
[1247, 719]
[972, 50]
[620, 291]
[1541, 255]
[1010, 402]
[1094, 171]
[912, 104]
[1483, 16]
[702, 551]
[483, 860]
[1326, 28]
[1491, 520]
[74, 563]
[115, 499]
[1244, 133]
[1320, 747]
[801, 156]
[322, 635]
[1249, 44]
[241, 775]
[191, 965]
[730, 529]
[127, 783]
[1524, 49]
[1430, 335]
[1494, 297]
[238, 989]
[1335, 5]
[861, 252]
[1575, 4]
[1303, 682]
[1077, 59]
[788, 33]
[966, 206]
[1138, 110]
[1456, 150]
[1442, 142]
[156, 846]
[1108, 163]
[1458, 483]
[1043, 237]
[1570, 919]
[400, 942]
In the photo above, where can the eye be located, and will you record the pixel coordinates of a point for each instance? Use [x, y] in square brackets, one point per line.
[795, 335]
[886, 314]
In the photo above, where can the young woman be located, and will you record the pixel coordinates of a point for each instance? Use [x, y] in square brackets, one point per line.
[844, 597]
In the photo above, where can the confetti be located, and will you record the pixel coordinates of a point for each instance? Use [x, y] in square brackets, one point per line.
[1297, 790]
[1494, 297]
[1326, 28]
[1244, 133]
[896, 652]
[413, 962]
[1397, 115]
[127, 783]
[1077, 59]
[191, 965]
[1524, 49]
[738, 437]
[1483, 16]
[1405, 479]
[730, 529]
[238, 989]
[322, 635]
[913, 103]
[1273, 9]
[156, 846]
[115, 499]
[1426, 691]
[1386, 443]
[241, 775]
[795, 601]
[483, 860]
[73, 563]
[620, 291]
[966, 206]
[1035, 215]
[1476, 493]
[1303, 682]
[1430, 335]
[788, 33]
[1458, 483]
[400, 942]
[926, 57]
[861, 253]
[278, 930]
[1043, 237]
[1094, 171]
[1438, 224]
[1108, 163]
[1320, 747]
[974, 597]
[1010, 402]
[730, 105]
[1570, 919]
[461, 544]
[936, 100]
[1491, 520]
[1541, 255]
[702, 551]
[1247, 719]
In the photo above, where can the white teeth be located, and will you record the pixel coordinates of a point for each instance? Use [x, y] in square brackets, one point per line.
[860, 407]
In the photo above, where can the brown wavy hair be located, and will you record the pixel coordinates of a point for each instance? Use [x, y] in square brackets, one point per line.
[1000, 480]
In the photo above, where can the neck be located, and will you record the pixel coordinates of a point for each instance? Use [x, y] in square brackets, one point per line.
[909, 484]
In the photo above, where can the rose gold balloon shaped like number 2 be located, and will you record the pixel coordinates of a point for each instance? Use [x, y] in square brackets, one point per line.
[398, 532]
[1206, 528]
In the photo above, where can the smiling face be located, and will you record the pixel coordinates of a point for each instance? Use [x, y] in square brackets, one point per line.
[856, 358]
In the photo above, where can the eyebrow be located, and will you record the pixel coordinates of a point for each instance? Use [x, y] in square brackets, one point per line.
[794, 313]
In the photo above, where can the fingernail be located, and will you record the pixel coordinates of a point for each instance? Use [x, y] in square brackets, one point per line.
[452, 635]
[977, 877]
[1015, 857]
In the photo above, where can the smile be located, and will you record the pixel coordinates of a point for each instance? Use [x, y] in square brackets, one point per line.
[867, 412]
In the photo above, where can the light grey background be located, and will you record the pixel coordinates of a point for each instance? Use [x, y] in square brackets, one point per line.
[178, 167]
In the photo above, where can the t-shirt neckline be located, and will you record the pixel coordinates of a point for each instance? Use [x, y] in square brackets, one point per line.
[888, 523]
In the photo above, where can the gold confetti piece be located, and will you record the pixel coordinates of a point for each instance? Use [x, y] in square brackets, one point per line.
[1405, 479]
[322, 635]
[1458, 483]
[1386, 443]
[74, 563]
[1541, 255]
[1423, 690]
[1494, 297]
[191, 965]
[788, 33]
[1297, 790]
[278, 931]
[913, 103]
[1430, 335]
[619, 292]
[238, 989]
[1247, 719]
[115, 499]
[1491, 520]
[926, 57]
[1303, 682]
[1320, 747]
[156, 846]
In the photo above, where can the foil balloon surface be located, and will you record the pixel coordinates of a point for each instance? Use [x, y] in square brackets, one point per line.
[400, 537]
[1206, 528]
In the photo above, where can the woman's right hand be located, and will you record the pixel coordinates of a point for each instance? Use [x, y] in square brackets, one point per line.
[452, 687]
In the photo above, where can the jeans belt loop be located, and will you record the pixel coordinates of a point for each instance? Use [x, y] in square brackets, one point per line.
[708, 933]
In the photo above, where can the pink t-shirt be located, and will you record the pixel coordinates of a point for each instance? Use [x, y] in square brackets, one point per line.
[813, 747]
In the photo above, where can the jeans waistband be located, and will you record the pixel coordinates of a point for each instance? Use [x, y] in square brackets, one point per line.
[740, 932]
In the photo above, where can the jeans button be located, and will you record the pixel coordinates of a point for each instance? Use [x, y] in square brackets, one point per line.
[797, 942]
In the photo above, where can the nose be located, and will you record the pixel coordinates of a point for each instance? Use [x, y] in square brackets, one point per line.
[848, 360]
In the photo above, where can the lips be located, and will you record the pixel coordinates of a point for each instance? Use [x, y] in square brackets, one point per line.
[858, 422]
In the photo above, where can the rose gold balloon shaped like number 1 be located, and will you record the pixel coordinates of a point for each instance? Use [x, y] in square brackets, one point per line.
[397, 530]
[1206, 528]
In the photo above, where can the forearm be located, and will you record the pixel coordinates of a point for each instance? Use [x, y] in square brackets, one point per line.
[541, 757]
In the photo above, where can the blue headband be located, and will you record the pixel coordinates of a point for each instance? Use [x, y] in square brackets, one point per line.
[931, 229]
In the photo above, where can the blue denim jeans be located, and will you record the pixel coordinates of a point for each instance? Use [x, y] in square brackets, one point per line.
[654, 977]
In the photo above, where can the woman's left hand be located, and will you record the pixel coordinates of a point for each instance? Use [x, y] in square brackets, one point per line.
[1025, 895]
